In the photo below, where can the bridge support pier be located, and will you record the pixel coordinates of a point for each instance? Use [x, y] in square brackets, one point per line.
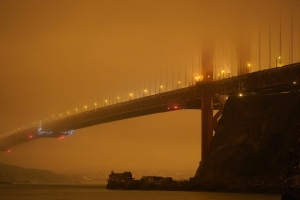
[207, 122]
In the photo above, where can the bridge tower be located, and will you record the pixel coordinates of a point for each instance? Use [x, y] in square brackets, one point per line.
[207, 104]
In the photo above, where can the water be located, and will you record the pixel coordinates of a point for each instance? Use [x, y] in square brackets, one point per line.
[99, 192]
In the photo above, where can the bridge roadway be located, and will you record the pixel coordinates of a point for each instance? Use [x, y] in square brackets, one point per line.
[199, 96]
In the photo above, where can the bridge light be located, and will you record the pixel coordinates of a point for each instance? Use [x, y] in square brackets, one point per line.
[240, 94]
[175, 107]
[278, 58]
[178, 84]
[145, 91]
[8, 150]
[105, 101]
[223, 73]
[248, 68]
[160, 89]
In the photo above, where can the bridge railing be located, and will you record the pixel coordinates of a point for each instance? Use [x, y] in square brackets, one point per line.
[275, 79]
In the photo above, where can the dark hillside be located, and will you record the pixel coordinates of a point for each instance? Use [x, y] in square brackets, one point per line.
[10, 173]
[253, 140]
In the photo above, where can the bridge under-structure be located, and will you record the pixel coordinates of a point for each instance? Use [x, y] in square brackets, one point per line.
[205, 95]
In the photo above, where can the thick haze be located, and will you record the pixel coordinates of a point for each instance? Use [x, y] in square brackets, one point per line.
[56, 56]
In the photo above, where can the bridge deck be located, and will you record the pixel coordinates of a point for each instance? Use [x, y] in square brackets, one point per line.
[281, 79]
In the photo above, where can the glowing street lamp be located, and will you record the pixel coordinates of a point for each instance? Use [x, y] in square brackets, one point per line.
[160, 88]
[130, 96]
[178, 84]
[145, 92]
[223, 73]
[95, 104]
[278, 58]
[248, 68]
[85, 107]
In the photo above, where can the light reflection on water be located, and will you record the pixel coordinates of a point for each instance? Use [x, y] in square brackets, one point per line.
[98, 192]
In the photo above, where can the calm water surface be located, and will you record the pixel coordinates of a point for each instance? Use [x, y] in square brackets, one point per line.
[99, 192]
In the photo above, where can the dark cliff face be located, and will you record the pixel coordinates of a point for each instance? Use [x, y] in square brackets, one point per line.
[253, 139]
[292, 172]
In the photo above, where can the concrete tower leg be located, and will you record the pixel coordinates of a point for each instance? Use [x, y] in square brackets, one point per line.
[207, 123]
[207, 107]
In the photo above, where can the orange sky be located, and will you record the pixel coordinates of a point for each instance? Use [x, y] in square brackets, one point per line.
[56, 56]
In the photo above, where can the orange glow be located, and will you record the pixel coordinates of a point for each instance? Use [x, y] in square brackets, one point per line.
[93, 55]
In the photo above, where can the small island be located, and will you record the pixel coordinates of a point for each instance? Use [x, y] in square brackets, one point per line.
[125, 181]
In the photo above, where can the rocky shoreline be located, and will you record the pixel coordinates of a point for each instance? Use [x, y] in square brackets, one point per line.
[263, 187]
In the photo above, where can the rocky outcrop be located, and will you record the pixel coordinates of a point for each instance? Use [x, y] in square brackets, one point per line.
[254, 144]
